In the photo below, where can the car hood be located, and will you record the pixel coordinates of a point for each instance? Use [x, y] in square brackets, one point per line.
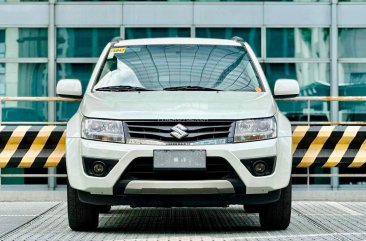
[155, 105]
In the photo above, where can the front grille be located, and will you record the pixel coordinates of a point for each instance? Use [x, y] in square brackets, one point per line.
[142, 169]
[196, 130]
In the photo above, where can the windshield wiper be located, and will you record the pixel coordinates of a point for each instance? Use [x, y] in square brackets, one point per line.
[121, 88]
[190, 88]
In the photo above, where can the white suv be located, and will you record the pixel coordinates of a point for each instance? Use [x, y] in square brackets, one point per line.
[174, 122]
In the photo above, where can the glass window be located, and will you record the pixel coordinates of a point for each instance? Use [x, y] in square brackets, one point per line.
[162, 67]
[313, 79]
[351, 43]
[2, 79]
[352, 74]
[23, 42]
[64, 111]
[133, 33]
[312, 180]
[298, 42]
[23, 80]
[354, 181]
[23, 180]
[250, 35]
[2, 43]
[83, 42]
[352, 82]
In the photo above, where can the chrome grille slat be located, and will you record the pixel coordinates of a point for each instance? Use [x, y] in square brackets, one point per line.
[196, 130]
[168, 134]
[168, 127]
[150, 133]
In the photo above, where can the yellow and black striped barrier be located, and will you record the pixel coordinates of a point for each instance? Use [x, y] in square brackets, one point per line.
[32, 146]
[324, 146]
[329, 146]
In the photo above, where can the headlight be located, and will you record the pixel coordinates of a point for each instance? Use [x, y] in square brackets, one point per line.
[255, 129]
[102, 130]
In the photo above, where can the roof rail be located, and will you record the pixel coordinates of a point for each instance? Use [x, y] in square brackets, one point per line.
[116, 39]
[237, 39]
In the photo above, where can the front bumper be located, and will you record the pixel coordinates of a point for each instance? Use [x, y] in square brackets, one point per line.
[196, 200]
[125, 153]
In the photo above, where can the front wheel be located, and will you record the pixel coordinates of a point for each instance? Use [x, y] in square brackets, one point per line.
[277, 215]
[252, 208]
[82, 216]
[104, 208]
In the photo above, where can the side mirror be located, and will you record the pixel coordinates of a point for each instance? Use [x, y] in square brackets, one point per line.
[286, 88]
[69, 88]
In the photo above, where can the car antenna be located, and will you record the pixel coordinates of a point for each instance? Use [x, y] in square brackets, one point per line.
[117, 39]
[237, 39]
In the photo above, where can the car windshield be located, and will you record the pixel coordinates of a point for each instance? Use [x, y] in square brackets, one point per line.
[174, 67]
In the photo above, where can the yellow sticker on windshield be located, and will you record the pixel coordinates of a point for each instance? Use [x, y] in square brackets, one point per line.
[118, 50]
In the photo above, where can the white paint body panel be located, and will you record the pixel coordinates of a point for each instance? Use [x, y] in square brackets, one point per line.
[69, 87]
[286, 87]
[178, 105]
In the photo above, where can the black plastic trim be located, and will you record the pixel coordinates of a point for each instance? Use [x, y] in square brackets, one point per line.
[120, 187]
[72, 96]
[226, 172]
[222, 200]
[279, 97]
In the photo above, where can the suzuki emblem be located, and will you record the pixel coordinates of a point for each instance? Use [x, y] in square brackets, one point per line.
[179, 131]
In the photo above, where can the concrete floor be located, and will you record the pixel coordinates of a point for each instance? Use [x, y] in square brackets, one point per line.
[310, 221]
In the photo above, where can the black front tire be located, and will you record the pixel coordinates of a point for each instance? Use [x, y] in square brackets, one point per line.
[82, 216]
[104, 208]
[252, 208]
[277, 215]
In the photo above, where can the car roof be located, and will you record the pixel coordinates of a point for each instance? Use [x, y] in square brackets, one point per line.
[156, 41]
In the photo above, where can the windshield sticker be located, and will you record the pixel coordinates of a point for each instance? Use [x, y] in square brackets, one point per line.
[114, 51]
[118, 50]
[258, 89]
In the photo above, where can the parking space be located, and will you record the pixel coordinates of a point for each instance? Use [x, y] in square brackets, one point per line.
[310, 221]
[15, 214]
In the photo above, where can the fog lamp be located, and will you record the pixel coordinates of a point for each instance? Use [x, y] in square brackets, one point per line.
[99, 168]
[260, 167]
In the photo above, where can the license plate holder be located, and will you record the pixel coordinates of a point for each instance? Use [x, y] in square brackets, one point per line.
[179, 160]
